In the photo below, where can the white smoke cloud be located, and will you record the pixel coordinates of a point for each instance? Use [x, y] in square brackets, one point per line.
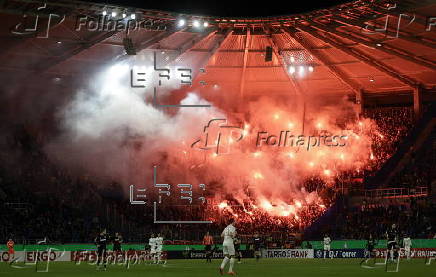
[104, 120]
[113, 132]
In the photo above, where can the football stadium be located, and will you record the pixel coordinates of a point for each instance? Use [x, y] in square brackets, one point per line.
[207, 138]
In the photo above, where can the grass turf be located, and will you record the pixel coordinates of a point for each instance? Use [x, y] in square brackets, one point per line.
[249, 268]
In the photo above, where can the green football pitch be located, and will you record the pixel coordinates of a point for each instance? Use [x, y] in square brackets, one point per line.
[249, 268]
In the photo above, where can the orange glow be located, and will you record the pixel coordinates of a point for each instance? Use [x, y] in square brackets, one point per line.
[223, 205]
[271, 166]
[258, 175]
[266, 205]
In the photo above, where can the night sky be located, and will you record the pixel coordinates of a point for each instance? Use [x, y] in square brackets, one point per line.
[237, 8]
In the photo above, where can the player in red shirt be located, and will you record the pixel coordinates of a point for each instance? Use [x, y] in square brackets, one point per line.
[208, 242]
[10, 244]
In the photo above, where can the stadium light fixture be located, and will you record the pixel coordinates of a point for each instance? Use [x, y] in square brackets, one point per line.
[292, 69]
[113, 14]
[181, 23]
[311, 68]
[104, 13]
[302, 70]
[133, 16]
[124, 15]
[196, 23]
[205, 24]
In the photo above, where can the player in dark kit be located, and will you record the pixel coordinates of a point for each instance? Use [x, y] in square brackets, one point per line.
[257, 244]
[101, 242]
[392, 245]
[117, 243]
[237, 244]
[370, 244]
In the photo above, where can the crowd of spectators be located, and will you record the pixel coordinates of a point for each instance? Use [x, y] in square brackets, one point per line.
[414, 217]
[394, 123]
[42, 200]
[419, 171]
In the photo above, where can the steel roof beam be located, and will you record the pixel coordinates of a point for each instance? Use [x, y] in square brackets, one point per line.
[406, 36]
[334, 70]
[360, 56]
[187, 46]
[291, 79]
[217, 45]
[245, 60]
[155, 39]
[388, 49]
[47, 65]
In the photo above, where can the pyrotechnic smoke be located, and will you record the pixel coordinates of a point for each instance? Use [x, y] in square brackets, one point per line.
[113, 132]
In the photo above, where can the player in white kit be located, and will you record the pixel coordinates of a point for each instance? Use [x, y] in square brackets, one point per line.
[159, 244]
[407, 244]
[152, 244]
[228, 234]
[327, 242]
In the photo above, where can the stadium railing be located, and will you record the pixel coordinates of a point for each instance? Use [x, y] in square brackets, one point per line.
[396, 192]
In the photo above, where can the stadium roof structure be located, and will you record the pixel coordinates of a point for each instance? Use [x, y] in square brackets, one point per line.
[374, 52]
